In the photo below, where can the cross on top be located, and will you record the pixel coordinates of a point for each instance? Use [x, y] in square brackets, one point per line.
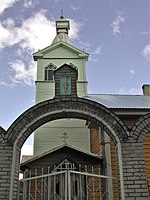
[65, 137]
[61, 13]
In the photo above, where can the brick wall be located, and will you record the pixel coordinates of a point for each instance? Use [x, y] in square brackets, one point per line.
[147, 159]
[134, 171]
[5, 170]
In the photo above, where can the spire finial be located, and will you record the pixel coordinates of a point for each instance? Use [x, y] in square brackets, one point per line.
[62, 17]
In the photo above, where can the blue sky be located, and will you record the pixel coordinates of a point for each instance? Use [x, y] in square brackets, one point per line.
[115, 33]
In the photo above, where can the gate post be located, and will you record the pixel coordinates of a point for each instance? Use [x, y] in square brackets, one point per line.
[69, 186]
[66, 185]
[134, 170]
[5, 169]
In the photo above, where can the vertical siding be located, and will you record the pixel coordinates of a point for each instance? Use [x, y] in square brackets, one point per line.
[147, 158]
[114, 170]
[50, 135]
[95, 148]
[95, 141]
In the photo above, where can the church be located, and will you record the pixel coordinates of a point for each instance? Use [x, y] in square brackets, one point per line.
[86, 146]
[76, 158]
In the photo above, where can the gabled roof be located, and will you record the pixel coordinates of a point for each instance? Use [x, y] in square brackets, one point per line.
[121, 101]
[59, 148]
[41, 53]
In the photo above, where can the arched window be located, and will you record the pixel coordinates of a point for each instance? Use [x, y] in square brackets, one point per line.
[49, 72]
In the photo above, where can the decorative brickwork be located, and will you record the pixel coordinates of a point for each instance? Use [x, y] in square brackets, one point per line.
[114, 170]
[66, 108]
[141, 127]
[130, 156]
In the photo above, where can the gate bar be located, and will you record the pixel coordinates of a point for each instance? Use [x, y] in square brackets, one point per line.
[90, 174]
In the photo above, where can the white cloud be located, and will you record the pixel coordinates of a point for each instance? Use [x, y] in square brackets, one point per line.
[73, 7]
[130, 91]
[144, 33]
[74, 29]
[28, 3]
[146, 52]
[132, 71]
[94, 56]
[92, 59]
[85, 46]
[4, 4]
[3, 83]
[116, 24]
[98, 50]
[9, 23]
[36, 32]
[22, 74]
[5, 34]
[8, 33]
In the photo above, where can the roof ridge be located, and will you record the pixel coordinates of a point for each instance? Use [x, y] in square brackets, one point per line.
[116, 94]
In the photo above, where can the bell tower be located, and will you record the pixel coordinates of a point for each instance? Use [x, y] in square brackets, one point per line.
[61, 70]
[49, 59]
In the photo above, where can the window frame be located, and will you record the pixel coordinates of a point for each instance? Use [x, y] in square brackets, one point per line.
[49, 72]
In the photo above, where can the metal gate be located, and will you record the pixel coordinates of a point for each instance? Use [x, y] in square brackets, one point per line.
[66, 182]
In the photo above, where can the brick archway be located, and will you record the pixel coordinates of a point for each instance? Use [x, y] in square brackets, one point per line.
[141, 128]
[54, 109]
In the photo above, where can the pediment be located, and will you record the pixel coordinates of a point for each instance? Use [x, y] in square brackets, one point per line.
[65, 148]
[60, 50]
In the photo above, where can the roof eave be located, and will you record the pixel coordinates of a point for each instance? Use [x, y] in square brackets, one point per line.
[39, 54]
[57, 148]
